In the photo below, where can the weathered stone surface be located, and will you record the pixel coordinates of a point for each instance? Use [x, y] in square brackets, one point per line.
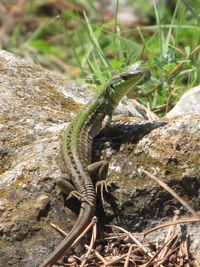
[36, 106]
[189, 103]
[172, 153]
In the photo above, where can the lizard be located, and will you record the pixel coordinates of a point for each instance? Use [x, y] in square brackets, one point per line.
[76, 152]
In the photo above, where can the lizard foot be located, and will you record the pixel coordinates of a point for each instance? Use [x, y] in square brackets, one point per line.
[102, 185]
[79, 196]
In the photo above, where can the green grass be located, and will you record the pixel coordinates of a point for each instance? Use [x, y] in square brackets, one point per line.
[93, 48]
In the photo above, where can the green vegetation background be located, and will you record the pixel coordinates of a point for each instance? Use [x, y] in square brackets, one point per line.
[89, 43]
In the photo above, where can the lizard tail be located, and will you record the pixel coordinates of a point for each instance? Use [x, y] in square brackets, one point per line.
[84, 218]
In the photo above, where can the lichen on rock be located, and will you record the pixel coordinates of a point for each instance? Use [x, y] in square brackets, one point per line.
[36, 106]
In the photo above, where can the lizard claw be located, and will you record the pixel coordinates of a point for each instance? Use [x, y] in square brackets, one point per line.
[103, 185]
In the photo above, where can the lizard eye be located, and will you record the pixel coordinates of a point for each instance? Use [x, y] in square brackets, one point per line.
[125, 76]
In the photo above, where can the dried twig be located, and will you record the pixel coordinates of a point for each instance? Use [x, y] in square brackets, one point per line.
[92, 223]
[157, 258]
[180, 65]
[59, 230]
[157, 253]
[92, 241]
[172, 192]
[115, 260]
[101, 258]
[184, 249]
[134, 239]
[172, 72]
[128, 256]
[170, 234]
[184, 220]
[171, 251]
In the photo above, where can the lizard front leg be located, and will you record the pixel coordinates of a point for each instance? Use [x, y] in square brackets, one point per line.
[98, 172]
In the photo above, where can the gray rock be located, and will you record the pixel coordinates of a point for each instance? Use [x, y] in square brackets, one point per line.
[189, 103]
[36, 106]
[172, 153]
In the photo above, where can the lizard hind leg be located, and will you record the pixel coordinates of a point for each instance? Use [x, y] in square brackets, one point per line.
[65, 185]
[98, 172]
[68, 188]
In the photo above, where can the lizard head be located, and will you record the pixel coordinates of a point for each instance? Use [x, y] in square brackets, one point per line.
[120, 85]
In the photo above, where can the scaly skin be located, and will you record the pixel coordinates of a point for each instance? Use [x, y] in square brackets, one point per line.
[76, 150]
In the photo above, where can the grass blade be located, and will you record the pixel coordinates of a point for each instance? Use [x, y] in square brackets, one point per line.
[95, 43]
